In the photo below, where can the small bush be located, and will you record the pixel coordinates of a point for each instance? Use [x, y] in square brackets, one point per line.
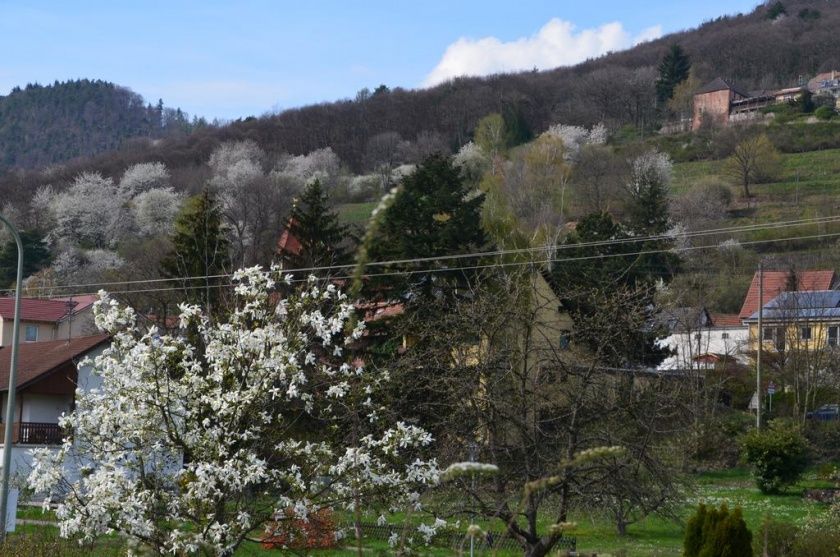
[824, 113]
[315, 532]
[777, 539]
[717, 533]
[778, 455]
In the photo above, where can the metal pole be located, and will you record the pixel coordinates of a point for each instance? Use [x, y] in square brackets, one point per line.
[10, 398]
[760, 345]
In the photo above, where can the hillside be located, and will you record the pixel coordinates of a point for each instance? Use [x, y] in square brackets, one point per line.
[43, 125]
[617, 89]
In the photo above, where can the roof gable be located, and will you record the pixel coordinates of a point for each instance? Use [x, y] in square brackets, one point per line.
[720, 84]
[36, 309]
[39, 359]
[775, 283]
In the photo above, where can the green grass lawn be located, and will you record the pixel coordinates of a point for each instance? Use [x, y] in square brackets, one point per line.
[595, 534]
[356, 213]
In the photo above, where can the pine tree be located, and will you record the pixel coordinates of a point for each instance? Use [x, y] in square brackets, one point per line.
[323, 239]
[36, 257]
[200, 251]
[673, 70]
[434, 213]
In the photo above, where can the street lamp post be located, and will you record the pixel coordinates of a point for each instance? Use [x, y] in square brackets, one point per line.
[10, 398]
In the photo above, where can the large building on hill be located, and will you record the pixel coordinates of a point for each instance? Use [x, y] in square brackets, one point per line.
[827, 84]
[719, 102]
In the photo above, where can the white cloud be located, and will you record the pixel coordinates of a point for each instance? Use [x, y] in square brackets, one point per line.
[558, 43]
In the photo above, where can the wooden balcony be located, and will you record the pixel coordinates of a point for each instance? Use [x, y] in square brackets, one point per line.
[35, 433]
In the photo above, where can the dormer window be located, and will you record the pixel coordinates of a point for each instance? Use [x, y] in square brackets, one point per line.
[31, 333]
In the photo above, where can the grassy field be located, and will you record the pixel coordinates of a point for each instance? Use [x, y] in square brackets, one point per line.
[651, 537]
[356, 213]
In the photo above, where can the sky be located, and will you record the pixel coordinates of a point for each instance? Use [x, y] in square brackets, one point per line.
[236, 59]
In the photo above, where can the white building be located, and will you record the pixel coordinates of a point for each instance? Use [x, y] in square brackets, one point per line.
[699, 339]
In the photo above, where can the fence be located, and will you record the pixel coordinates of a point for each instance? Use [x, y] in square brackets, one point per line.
[489, 541]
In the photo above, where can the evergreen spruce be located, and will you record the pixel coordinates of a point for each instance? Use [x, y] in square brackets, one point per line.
[324, 241]
[434, 213]
[200, 251]
[36, 257]
[673, 70]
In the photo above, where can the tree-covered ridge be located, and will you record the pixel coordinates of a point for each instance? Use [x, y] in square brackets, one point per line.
[42, 125]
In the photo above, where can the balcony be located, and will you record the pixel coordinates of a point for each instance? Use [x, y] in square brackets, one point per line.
[35, 433]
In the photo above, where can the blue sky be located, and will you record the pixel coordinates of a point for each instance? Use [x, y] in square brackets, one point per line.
[235, 59]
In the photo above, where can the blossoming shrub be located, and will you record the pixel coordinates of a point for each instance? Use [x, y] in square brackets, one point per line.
[318, 531]
[189, 442]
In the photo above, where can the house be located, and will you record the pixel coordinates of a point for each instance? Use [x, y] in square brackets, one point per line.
[47, 319]
[719, 102]
[48, 375]
[799, 320]
[713, 103]
[776, 282]
[699, 339]
[826, 84]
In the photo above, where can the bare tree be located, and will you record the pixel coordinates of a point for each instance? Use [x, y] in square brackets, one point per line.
[501, 374]
[754, 160]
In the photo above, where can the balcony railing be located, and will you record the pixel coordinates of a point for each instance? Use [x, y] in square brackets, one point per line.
[36, 433]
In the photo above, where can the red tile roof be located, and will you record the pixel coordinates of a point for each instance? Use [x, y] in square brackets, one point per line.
[726, 320]
[775, 282]
[288, 243]
[82, 302]
[35, 309]
[38, 359]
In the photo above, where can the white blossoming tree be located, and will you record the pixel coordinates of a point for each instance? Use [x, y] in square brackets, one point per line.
[268, 412]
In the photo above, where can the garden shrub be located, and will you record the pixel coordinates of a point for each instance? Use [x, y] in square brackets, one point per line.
[824, 113]
[317, 531]
[712, 532]
[777, 538]
[777, 454]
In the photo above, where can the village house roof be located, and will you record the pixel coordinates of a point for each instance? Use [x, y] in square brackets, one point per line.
[288, 244]
[775, 282]
[684, 319]
[36, 309]
[726, 320]
[36, 360]
[819, 304]
[720, 84]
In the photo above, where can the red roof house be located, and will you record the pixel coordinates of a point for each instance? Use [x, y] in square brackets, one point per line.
[776, 282]
[47, 378]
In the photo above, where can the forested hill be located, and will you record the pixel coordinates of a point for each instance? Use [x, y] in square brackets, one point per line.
[772, 46]
[42, 125]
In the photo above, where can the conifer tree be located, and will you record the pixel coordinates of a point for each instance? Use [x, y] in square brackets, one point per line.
[200, 251]
[673, 70]
[323, 239]
[433, 214]
[36, 257]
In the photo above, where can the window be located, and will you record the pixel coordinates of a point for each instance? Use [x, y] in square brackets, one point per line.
[724, 336]
[805, 333]
[31, 333]
[833, 335]
[776, 335]
[768, 334]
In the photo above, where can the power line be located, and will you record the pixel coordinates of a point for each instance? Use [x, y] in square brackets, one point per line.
[474, 267]
[555, 248]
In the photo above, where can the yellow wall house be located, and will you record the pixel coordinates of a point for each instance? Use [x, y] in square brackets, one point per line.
[798, 321]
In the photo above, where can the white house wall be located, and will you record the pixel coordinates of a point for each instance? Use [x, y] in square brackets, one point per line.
[731, 341]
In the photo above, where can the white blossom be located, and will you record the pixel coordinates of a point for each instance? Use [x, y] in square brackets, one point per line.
[219, 394]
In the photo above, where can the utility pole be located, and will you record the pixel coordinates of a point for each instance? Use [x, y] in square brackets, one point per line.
[760, 345]
[10, 397]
